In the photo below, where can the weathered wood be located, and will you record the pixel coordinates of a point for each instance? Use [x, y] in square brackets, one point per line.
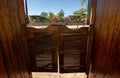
[3, 72]
[12, 40]
[44, 45]
[106, 40]
[43, 48]
[72, 49]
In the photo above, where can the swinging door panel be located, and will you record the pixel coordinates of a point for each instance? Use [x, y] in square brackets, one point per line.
[43, 49]
[72, 49]
[55, 42]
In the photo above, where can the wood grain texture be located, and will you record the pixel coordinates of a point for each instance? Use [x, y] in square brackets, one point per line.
[72, 49]
[3, 72]
[58, 41]
[12, 41]
[43, 48]
[106, 40]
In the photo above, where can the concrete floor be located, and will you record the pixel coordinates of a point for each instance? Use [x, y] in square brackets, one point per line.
[57, 75]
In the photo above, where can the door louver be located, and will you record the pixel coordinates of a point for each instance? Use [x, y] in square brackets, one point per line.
[49, 44]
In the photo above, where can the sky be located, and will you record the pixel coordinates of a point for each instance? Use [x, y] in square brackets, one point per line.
[35, 7]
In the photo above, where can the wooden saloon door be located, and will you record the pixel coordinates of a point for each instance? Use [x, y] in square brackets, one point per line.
[49, 44]
[43, 48]
[72, 49]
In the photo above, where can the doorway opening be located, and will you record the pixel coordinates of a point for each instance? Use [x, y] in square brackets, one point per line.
[76, 20]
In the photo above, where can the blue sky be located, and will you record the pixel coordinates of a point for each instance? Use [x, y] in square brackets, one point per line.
[35, 7]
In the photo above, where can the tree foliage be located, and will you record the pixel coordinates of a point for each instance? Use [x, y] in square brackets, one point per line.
[51, 15]
[44, 14]
[80, 12]
[60, 14]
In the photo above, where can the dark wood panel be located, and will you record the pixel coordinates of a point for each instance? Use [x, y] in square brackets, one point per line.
[12, 40]
[3, 72]
[114, 68]
[21, 11]
[103, 33]
[106, 40]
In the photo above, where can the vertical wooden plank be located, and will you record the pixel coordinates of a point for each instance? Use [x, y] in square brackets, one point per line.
[93, 11]
[3, 72]
[114, 64]
[106, 40]
[11, 39]
[89, 55]
[24, 54]
[4, 36]
[21, 11]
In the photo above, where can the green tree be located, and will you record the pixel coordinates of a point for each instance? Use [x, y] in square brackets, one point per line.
[60, 14]
[80, 12]
[76, 13]
[46, 20]
[44, 14]
[51, 15]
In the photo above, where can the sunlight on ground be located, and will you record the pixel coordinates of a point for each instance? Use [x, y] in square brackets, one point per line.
[57, 75]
